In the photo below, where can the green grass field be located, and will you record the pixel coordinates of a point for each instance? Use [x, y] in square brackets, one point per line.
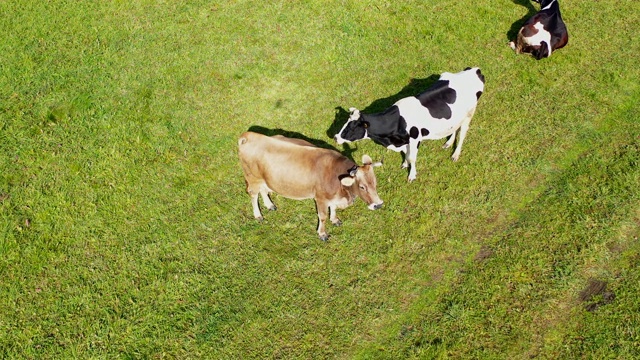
[126, 232]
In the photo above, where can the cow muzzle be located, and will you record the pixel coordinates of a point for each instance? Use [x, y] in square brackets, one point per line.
[375, 206]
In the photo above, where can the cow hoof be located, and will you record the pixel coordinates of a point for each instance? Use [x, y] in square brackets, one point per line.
[337, 223]
[324, 237]
[411, 180]
[446, 146]
[273, 208]
[455, 157]
[260, 218]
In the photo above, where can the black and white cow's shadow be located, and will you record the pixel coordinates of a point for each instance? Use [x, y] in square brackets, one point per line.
[292, 134]
[517, 25]
[413, 88]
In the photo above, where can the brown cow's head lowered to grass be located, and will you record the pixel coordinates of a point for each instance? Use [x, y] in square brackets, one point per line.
[362, 183]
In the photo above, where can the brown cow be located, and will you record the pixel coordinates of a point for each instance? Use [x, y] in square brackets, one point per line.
[297, 169]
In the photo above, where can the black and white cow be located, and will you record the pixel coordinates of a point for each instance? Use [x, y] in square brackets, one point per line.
[543, 33]
[448, 105]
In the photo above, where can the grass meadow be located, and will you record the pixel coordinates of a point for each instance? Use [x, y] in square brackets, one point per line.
[126, 232]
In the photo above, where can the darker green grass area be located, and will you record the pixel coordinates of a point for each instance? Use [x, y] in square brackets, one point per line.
[528, 285]
[126, 231]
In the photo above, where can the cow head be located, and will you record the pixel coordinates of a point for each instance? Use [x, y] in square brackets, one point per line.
[354, 129]
[361, 182]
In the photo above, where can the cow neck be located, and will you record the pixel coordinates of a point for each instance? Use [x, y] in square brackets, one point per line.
[384, 139]
[377, 133]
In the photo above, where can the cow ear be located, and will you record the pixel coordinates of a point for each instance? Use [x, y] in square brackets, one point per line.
[347, 181]
[366, 160]
[354, 114]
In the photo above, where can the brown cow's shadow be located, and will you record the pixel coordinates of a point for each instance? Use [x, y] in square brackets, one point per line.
[414, 87]
[516, 26]
[348, 151]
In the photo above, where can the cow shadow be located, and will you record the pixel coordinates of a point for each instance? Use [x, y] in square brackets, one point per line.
[516, 26]
[348, 151]
[414, 87]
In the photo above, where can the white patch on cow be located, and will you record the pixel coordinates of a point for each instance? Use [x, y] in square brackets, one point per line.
[467, 85]
[341, 203]
[397, 149]
[541, 36]
[355, 114]
[548, 6]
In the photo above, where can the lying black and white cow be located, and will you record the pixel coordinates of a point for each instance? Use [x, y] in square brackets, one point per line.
[543, 33]
[448, 105]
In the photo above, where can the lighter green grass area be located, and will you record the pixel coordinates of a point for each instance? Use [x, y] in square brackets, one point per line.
[126, 232]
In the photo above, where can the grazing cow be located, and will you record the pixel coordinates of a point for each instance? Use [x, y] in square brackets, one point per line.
[297, 169]
[448, 105]
[543, 33]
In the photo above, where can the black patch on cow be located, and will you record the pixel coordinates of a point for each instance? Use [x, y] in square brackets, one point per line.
[414, 132]
[424, 132]
[437, 99]
[400, 137]
[355, 130]
[387, 128]
[542, 51]
[467, 68]
[480, 76]
[478, 94]
[529, 30]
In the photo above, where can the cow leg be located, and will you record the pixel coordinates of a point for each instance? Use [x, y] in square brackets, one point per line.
[405, 152]
[450, 141]
[333, 216]
[542, 52]
[412, 154]
[266, 200]
[463, 132]
[322, 218]
[254, 202]
[254, 187]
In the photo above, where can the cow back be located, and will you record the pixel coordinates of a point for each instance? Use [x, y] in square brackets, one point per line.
[294, 168]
